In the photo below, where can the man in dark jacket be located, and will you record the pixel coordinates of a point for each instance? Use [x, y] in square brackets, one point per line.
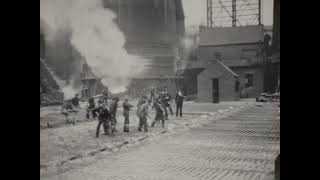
[142, 113]
[141, 101]
[179, 102]
[103, 117]
[160, 111]
[113, 114]
[67, 109]
[105, 96]
[91, 108]
[126, 110]
[152, 93]
[75, 101]
[166, 98]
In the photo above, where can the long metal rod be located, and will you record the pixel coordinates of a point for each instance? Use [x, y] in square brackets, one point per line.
[230, 20]
[241, 15]
[231, 1]
[242, 5]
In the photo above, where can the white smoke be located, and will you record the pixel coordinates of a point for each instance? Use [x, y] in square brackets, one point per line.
[67, 88]
[95, 35]
[189, 44]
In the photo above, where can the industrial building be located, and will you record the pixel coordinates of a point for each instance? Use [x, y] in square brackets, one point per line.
[152, 29]
[239, 48]
[241, 51]
[236, 38]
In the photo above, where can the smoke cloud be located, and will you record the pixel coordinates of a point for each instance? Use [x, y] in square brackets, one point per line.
[95, 35]
[189, 44]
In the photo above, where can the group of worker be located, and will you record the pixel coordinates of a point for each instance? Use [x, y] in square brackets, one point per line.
[106, 115]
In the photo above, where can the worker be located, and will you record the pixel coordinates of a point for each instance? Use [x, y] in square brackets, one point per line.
[126, 111]
[143, 115]
[166, 98]
[91, 108]
[179, 102]
[160, 112]
[103, 118]
[75, 101]
[113, 114]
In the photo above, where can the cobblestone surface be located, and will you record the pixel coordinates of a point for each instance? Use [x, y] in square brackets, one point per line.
[243, 146]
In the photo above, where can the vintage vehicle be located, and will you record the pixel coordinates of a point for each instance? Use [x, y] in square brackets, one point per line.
[262, 97]
[265, 97]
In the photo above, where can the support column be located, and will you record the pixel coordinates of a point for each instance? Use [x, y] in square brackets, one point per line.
[259, 14]
[234, 13]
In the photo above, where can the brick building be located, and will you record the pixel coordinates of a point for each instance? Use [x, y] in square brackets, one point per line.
[217, 83]
[239, 48]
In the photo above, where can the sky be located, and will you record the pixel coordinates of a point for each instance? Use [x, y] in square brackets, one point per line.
[195, 12]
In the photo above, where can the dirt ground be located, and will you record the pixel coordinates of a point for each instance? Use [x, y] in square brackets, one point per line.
[69, 146]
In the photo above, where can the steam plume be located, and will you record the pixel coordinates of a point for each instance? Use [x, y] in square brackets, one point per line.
[95, 35]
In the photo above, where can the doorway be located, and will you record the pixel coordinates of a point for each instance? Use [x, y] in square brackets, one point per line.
[215, 90]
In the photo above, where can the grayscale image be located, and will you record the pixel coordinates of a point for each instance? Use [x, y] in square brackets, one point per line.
[160, 89]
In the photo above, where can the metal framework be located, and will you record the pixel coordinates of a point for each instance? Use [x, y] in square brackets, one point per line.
[209, 13]
[232, 13]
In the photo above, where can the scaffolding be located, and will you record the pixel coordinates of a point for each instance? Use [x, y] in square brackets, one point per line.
[233, 13]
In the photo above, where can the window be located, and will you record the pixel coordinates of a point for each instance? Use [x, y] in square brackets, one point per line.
[249, 80]
[218, 56]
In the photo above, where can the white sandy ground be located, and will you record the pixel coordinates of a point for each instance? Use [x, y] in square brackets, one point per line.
[58, 145]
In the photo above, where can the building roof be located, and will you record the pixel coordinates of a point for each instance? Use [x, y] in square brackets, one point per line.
[189, 72]
[228, 69]
[231, 35]
[236, 62]
[87, 73]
